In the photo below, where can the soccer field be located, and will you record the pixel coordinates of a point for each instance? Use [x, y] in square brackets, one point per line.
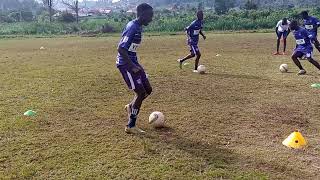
[226, 124]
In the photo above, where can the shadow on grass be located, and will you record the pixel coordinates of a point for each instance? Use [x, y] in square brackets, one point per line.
[217, 155]
[212, 153]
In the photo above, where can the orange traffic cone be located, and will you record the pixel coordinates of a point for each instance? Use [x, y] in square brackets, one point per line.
[295, 141]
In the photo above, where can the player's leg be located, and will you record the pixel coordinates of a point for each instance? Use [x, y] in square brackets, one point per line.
[198, 53]
[147, 87]
[279, 35]
[191, 55]
[285, 35]
[143, 90]
[313, 61]
[295, 56]
[135, 109]
[148, 90]
[134, 83]
[316, 43]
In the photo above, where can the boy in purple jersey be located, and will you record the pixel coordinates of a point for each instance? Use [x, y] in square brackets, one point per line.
[129, 67]
[193, 32]
[311, 24]
[303, 48]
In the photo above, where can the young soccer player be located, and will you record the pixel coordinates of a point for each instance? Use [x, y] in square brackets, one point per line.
[132, 72]
[303, 48]
[193, 32]
[311, 24]
[282, 31]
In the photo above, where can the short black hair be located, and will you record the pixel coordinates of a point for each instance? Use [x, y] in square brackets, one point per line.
[141, 8]
[305, 13]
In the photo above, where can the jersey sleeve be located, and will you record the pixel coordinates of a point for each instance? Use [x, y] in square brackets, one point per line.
[127, 38]
[191, 27]
[278, 24]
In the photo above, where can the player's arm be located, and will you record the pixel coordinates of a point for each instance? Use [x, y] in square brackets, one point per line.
[202, 34]
[123, 50]
[289, 30]
[124, 54]
[277, 26]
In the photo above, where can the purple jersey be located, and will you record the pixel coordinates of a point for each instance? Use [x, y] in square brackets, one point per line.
[193, 32]
[303, 40]
[311, 24]
[131, 40]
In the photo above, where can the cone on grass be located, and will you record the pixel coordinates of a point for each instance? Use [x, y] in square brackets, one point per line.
[316, 85]
[295, 141]
[30, 113]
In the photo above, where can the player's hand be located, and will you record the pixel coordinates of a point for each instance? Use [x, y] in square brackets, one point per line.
[135, 69]
[204, 37]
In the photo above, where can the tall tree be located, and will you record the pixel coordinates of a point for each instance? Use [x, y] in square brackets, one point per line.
[74, 6]
[223, 6]
[49, 5]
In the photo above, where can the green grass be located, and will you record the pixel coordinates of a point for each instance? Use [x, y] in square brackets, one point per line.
[227, 124]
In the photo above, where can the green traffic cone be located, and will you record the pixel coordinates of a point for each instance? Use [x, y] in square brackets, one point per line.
[30, 113]
[316, 85]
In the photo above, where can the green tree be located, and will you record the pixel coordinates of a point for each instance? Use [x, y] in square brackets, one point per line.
[250, 4]
[223, 6]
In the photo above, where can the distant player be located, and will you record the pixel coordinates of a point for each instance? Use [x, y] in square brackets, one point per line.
[128, 64]
[311, 24]
[303, 48]
[282, 31]
[193, 32]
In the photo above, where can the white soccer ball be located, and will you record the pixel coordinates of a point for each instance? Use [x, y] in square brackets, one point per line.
[283, 68]
[42, 48]
[201, 69]
[157, 119]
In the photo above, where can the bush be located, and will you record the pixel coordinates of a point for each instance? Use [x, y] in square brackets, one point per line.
[107, 29]
[6, 19]
[67, 17]
[27, 16]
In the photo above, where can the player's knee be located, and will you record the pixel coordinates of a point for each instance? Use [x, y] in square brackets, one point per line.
[198, 54]
[310, 59]
[294, 57]
[192, 55]
[141, 93]
[149, 91]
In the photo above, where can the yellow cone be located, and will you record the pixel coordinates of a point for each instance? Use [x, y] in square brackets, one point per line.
[295, 140]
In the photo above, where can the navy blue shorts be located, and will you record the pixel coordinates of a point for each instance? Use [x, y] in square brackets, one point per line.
[133, 80]
[194, 49]
[303, 53]
[283, 34]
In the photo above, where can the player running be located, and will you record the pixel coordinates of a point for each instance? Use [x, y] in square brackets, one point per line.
[303, 48]
[311, 24]
[193, 32]
[132, 72]
[282, 30]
